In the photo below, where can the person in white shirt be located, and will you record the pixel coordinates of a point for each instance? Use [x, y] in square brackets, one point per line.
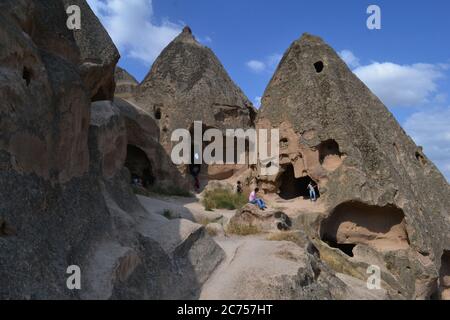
[312, 192]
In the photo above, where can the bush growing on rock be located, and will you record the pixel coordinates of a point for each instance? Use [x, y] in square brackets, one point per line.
[242, 229]
[223, 199]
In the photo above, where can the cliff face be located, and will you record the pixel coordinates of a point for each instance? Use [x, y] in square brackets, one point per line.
[379, 189]
[65, 195]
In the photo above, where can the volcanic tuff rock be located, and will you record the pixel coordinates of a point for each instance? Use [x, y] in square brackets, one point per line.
[379, 189]
[65, 198]
[188, 83]
[143, 137]
[98, 55]
[251, 215]
[257, 268]
[126, 84]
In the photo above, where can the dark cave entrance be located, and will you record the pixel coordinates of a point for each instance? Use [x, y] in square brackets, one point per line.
[139, 166]
[318, 66]
[346, 248]
[195, 169]
[328, 148]
[352, 223]
[292, 187]
[26, 75]
[158, 114]
[100, 95]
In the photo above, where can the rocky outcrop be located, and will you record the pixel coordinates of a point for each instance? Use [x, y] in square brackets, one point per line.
[108, 137]
[68, 151]
[280, 270]
[378, 188]
[143, 147]
[251, 215]
[65, 194]
[126, 84]
[98, 55]
[188, 83]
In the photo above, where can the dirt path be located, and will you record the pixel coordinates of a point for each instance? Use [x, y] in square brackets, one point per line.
[251, 262]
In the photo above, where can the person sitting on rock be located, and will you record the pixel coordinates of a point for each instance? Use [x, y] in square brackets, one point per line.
[239, 187]
[253, 199]
[312, 192]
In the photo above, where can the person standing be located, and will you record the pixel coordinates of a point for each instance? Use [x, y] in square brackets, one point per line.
[239, 187]
[312, 191]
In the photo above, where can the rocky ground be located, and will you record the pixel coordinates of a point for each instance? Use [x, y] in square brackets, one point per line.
[267, 265]
[71, 143]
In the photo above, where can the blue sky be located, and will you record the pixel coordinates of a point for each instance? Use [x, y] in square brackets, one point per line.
[406, 63]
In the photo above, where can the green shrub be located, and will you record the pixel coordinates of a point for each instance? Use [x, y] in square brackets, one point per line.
[223, 199]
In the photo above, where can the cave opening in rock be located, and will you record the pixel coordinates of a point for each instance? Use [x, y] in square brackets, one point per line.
[100, 95]
[444, 276]
[5, 229]
[421, 158]
[330, 157]
[318, 66]
[139, 166]
[346, 248]
[328, 148]
[284, 142]
[196, 152]
[26, 75]
[292, 187]
[158, 114]
[351, 223]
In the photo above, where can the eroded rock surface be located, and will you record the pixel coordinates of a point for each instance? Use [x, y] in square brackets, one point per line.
[188, 83]
[68, 152]
[64, 192]
[126, 84]
[270, 220]
[377, 187]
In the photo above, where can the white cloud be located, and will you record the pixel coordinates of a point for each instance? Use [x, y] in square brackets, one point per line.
[256, 65]
[349, 58]
[131, 25]
[402, 85]
[257, 102]
[431, 129]
[267, 64]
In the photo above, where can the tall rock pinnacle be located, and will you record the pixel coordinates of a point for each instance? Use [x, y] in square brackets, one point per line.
[371, 175]
[188, 83]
